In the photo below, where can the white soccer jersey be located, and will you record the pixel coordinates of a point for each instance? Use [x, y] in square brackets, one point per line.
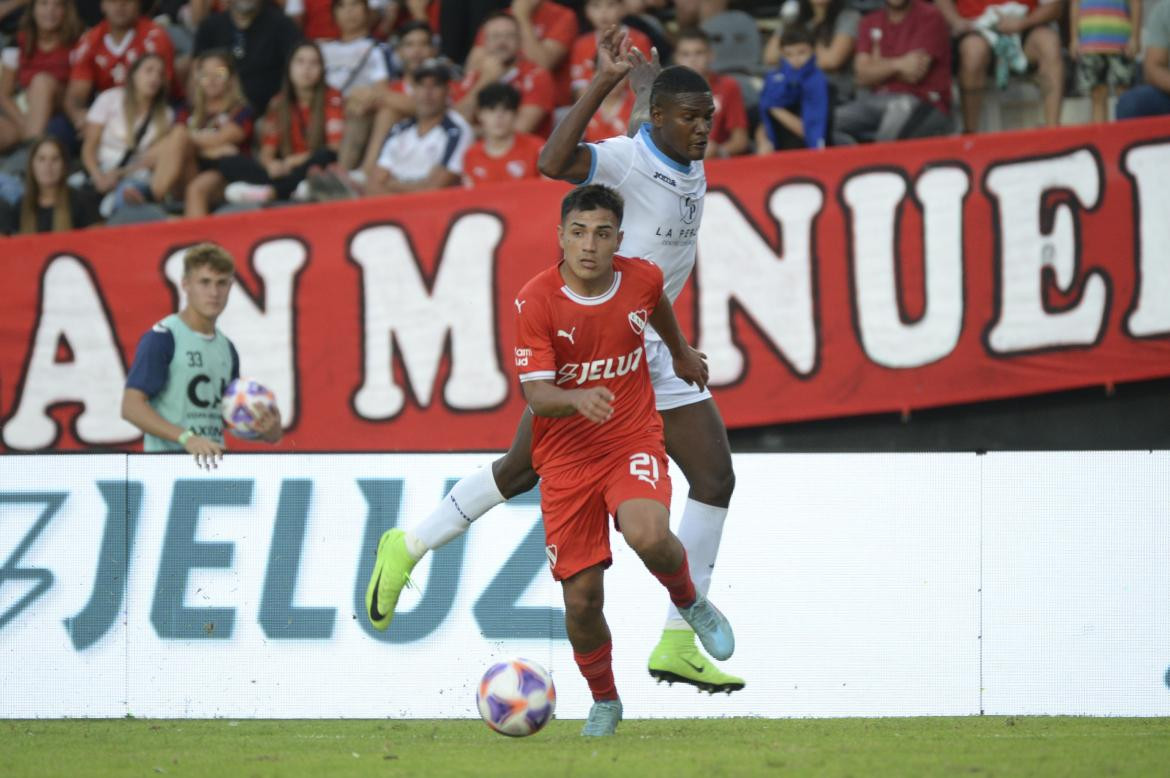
[663, 203]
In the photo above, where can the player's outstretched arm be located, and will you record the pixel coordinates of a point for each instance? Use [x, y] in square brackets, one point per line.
[563, 156]
[546, 399]
[689, 365]
[137, 410]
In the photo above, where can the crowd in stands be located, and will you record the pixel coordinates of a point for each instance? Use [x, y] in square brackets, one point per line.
[130, 110]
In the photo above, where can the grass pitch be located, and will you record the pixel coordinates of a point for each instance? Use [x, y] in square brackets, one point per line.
[976, 746]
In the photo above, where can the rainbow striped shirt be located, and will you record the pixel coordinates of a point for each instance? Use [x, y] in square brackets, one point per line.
[1104, 26]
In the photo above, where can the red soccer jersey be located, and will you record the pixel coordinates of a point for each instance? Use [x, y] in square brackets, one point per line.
[518, 162]
[583, 55]
[105, 65]
[730, 114]
[581, 342]
[603, 128]
[533, 82]
[302, 122]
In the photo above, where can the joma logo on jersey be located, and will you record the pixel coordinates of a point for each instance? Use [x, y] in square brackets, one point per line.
[599, 369]
[659, 177]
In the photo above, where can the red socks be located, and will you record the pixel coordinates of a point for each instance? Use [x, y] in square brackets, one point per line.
[597, 667]
[679, 584]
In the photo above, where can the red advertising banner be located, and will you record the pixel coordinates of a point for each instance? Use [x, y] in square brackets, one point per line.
[850, 281]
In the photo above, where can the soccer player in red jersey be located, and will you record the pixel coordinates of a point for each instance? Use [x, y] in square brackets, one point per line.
[597, 439]
[502, 154]
[603, 15]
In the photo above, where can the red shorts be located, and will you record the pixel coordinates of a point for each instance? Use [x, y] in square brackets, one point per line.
[577, 502]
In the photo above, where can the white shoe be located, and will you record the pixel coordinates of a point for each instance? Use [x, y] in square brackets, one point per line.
[241, 192]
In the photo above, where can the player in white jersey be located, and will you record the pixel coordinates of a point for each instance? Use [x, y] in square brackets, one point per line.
[659, 173]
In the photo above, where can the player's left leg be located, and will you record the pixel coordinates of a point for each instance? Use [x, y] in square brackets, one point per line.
[697, 441]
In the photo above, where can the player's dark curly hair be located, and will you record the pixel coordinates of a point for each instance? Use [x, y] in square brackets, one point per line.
[592, 197]
[674, 81]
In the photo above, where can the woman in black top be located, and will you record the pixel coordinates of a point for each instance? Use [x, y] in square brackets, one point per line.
[49, 204]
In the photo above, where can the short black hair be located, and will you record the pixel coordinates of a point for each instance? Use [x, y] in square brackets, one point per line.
[796, 34]
[414, 26]
[677, 80]
[693, 34]
[592, 197]
[497, 95]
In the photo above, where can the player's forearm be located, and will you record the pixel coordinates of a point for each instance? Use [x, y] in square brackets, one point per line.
[561, 149]
[138, 411]
[663, 320]
[547, 400]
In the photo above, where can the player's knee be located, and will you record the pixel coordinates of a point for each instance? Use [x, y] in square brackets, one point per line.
[715, 486]
[583, 603]
[513, 477]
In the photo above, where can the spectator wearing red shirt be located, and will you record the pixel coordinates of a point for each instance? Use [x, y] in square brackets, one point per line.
[729, 127]
[501, 62]
[502, 154]
[301, 130]
[547, 32]
[38, 66]
[602, 14]
[1041, 39]
[400, 13]
[104, 55]
[904, 59]
[316, 19]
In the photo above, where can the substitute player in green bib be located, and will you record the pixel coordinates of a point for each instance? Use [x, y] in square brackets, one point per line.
[184, 364]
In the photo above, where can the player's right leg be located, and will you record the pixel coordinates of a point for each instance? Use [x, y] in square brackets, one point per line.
[471, 497]
[592, 648]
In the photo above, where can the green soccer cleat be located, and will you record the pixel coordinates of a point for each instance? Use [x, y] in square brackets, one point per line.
[603, 718]
[391, 572]
[676, 659]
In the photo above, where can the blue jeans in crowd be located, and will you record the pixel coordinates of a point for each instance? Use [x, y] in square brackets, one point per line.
[1142, 101]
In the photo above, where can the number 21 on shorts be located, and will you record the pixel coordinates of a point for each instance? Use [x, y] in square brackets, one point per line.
[645, 468]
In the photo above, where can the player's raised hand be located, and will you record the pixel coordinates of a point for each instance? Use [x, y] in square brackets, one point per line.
[595, 404]
[207, 452]
[614, 60]
[691, 366]
[643, 71]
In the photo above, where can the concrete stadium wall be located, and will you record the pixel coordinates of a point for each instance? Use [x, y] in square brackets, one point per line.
[859, 585]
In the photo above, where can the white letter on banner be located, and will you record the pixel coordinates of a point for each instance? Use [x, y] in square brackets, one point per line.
[1023, 323]
[1150, 168]
[873, 200]
[71, 310]
[736, 263]
[264, 336]
[399, 310]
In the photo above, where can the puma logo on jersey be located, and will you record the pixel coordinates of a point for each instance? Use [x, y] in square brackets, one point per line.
[569, 335]
[638, 320]
[519, 305]
[599, 369]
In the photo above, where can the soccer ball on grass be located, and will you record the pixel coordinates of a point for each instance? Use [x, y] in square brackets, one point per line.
[516, 698]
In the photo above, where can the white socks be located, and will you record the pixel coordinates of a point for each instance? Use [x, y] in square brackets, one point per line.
[700, 531]
[471, 497]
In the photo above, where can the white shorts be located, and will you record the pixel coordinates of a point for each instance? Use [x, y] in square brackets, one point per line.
[670, 391]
